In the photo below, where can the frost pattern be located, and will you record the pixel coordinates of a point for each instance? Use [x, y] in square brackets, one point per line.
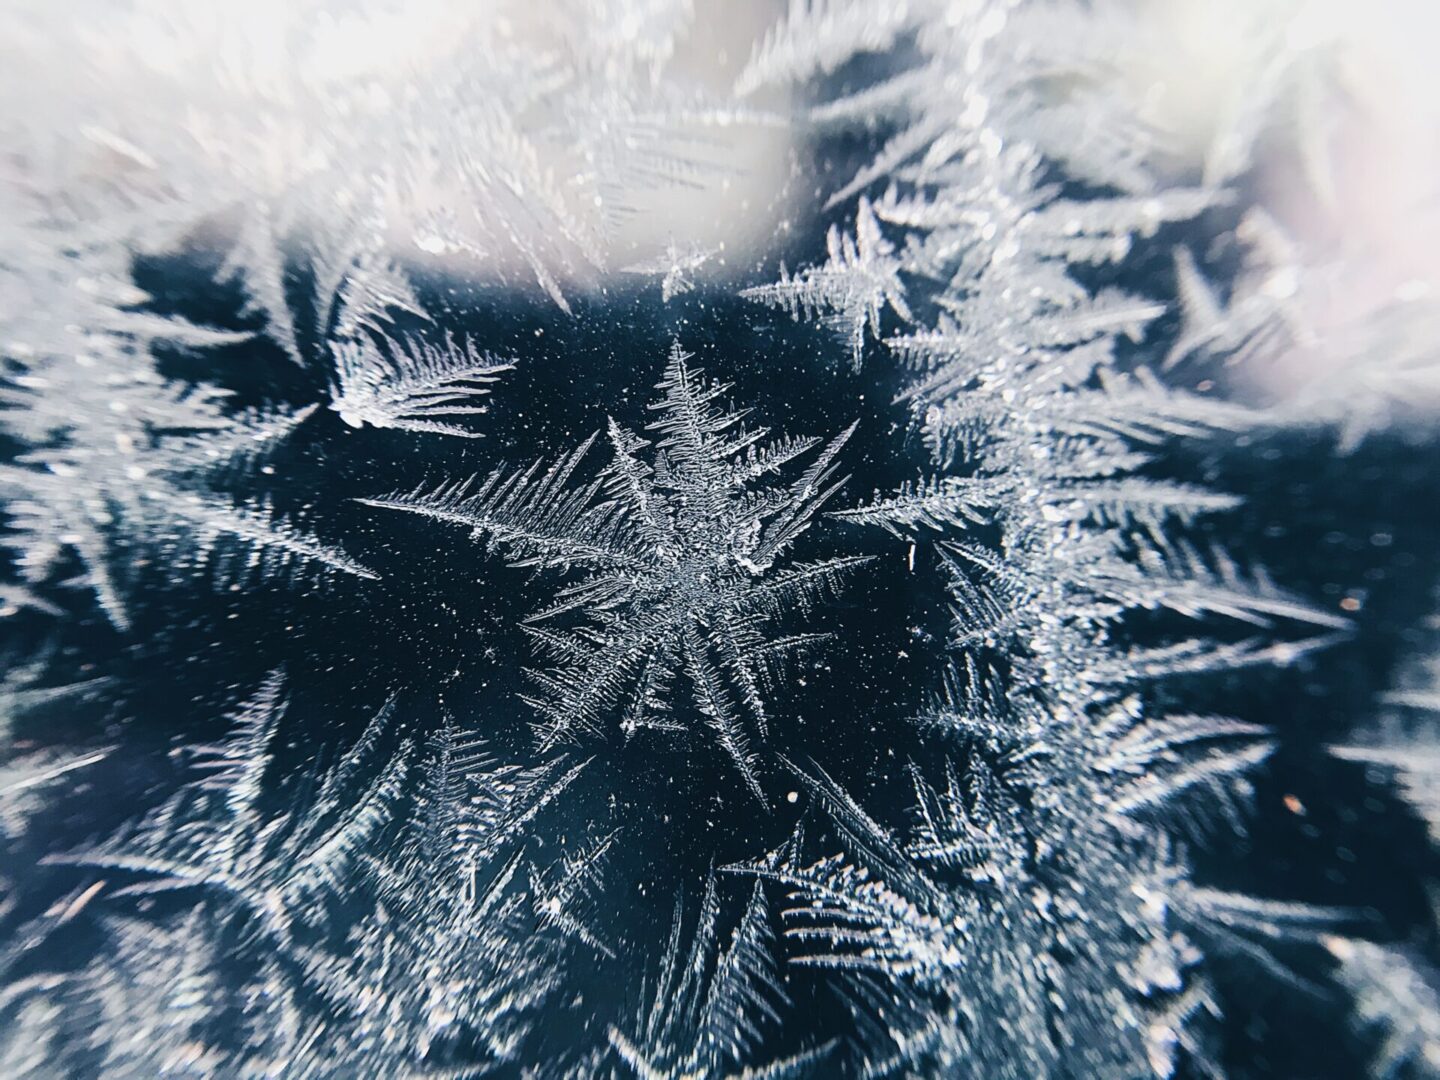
[704, 1015]
[411, 384]
[418, 904]
[215, 836]
[1396, 996]
[676, 268]
[849, 293]
[119, 457]
[1394, 991]
[342, 936]
[1041, 891]
[1406, 743]
[1370, 365]
[450, 949]
[683, 565]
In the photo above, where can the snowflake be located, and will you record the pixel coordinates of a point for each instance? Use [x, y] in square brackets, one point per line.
[676, 267]
[680, 566]
[848, 293]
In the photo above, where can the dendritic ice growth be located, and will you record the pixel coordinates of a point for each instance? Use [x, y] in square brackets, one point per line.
[677, 562]
[1065, 706]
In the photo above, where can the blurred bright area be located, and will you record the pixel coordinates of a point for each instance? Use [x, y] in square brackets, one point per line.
[1335, 104]
[1358, 95]
[556, 140]
[515, 141]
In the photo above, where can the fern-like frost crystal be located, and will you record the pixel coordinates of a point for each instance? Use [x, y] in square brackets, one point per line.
[678, 565]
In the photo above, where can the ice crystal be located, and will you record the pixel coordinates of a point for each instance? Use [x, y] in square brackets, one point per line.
[161, 987]
[450, 949]
[1404, 741]
[676, 268]
[683, 563]
[1368, 365]
[1045, 864]
[703, 1018]
[1024, 900]
[1396, 995]
[215, 836]
[411, 384]
[849, 293]
[118, 458]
